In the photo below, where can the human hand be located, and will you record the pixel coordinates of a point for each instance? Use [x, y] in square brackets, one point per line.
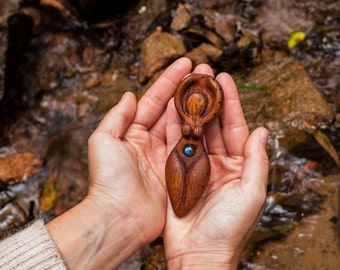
[126, 203]
[213, 233]
[127, 153]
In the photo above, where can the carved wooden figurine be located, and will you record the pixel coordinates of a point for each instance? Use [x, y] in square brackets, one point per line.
[198, 100]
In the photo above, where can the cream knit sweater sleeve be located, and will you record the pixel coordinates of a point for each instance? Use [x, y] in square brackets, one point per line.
[31, 248]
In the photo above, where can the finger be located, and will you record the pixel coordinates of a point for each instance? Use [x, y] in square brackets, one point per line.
[214, 139]
[159, 128]
[118, 119]
[203, 69]
[173, 126]
[255, 170]
[154, 101]
[234, 126]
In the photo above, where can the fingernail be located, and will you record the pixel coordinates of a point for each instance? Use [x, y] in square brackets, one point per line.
[264, 133]
[124, 96]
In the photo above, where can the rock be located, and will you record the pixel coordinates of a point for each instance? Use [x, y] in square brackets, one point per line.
[247, 40]
[206, 34]
[223, 24]
[205, 53]
[181, 18]
[249, 46]
[158, 50]
[290, 97]
[17, 168]
[225, 27]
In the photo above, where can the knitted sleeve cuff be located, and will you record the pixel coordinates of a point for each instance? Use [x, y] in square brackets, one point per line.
[31, 248]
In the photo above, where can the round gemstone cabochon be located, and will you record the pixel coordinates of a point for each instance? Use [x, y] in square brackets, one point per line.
[189, 150]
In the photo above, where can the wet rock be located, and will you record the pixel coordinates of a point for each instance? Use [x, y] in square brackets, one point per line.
[222, 24]
[205, 53]
[249, 47]
[313, 244]
[293, 193]
[182, 17]
[225, 27]
[247, 40]
[158, 50]
[290, 98]
[18, 167]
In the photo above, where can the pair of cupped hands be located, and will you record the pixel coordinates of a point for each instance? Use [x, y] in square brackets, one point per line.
[127, 205]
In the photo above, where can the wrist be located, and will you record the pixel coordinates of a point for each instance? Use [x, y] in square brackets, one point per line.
[200, 261]
[87, 237]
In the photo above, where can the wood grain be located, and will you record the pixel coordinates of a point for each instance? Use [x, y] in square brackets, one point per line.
[198, 101]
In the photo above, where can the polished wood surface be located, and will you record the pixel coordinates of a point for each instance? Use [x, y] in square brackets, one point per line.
[198, 101]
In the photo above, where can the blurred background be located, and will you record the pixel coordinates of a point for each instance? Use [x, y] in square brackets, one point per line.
[65, 63]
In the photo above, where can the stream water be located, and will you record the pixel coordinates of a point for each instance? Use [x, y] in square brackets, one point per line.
[65, 63]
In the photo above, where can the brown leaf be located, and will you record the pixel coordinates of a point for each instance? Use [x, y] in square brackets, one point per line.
[324, 142]
[18, 167]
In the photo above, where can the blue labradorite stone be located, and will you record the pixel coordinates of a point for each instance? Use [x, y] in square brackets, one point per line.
[189, 150]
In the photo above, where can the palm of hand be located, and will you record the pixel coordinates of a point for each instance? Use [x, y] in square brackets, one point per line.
[224, 217]
[135, 162]
[128, 153]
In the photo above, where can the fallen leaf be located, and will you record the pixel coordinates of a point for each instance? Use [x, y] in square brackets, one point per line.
[47, 197]
[324, 142]
[295, 38]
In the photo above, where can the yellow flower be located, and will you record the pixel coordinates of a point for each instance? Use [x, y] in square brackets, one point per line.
[295, 38]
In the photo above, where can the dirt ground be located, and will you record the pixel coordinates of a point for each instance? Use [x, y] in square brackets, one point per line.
[313, 244]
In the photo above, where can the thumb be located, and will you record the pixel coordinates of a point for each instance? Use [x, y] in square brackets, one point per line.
[119, 118]
[256, 164]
